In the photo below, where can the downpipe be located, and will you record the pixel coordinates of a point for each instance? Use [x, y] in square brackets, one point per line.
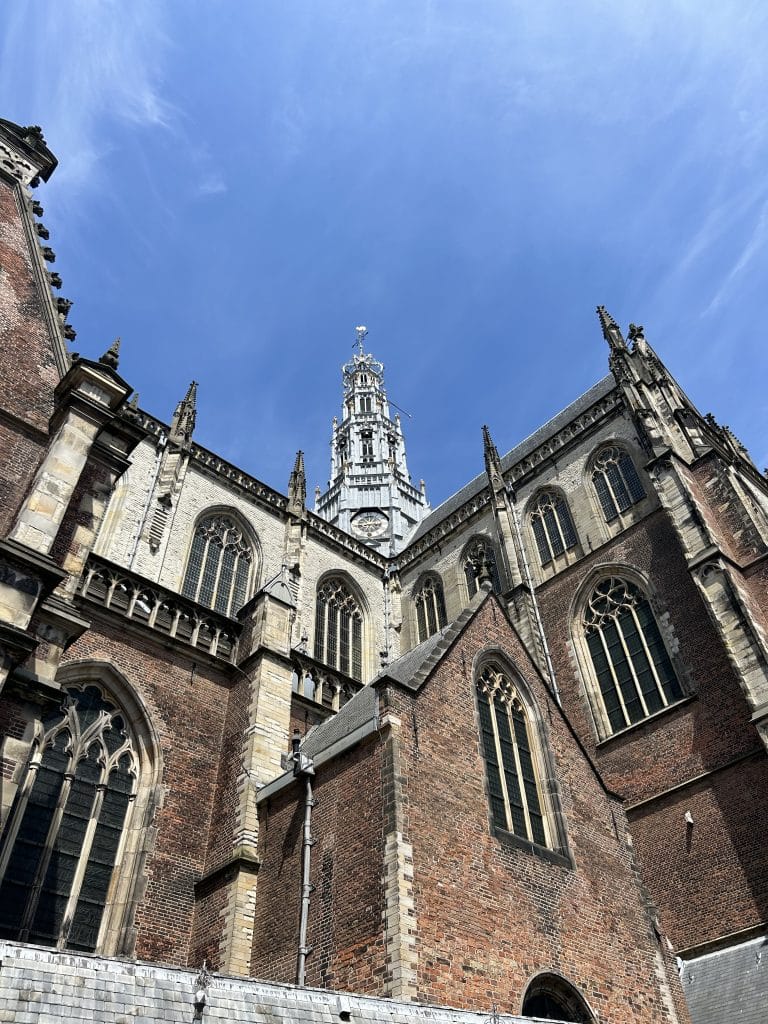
[303, 767]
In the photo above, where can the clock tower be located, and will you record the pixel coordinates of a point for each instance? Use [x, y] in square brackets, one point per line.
[370, 493]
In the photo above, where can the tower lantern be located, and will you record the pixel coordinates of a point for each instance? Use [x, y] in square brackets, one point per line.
[370, 493]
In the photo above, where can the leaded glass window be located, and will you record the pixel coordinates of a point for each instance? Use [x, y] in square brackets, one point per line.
[339, 628]
[617, 482]
[477, 552]
[634, 673]
[63, 835]
[430, 607]
[219, 567]
[552, 526]
[507, 748]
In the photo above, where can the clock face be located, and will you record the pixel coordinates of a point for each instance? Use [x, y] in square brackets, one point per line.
[370, 524]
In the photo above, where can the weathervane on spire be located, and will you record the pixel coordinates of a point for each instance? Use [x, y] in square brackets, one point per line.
[361, 332]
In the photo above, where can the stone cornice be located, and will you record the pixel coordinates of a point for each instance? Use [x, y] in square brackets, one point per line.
[266, 497]
[277, 503]
[516, 473]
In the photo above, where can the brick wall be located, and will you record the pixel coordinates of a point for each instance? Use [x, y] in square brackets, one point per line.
[489, 914]
[187, 709]
[346, 909]
[694, 738]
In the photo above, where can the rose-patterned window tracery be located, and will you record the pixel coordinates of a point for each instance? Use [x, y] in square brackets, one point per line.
[339, 628]
[430, 608]
[63, 836]
[513, 787]
[617, 482]
[219, 566]
[634, 673]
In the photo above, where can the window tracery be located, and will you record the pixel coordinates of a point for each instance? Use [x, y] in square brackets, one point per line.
[219, 566]
[430, 608]
[339, 628]
[477, 552]
[616, 481]
[513, 788]
[64, 832]
[552, 526]
[634, 673]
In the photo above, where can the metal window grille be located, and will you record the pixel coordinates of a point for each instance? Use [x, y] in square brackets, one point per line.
[219, 566]
[64, 831]
[512, 784]
[552, 526]
[339, 629]
[430, 608]
[617, 482]
[634, 673]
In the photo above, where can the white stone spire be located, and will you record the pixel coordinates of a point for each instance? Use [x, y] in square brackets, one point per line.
[370, 493]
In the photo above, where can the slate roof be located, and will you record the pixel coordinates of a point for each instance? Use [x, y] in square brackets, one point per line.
[549, 429]
[413, 667]
[38, 984]
[729, 985]
[358, 712]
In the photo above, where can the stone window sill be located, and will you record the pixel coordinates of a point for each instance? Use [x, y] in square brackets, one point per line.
[645, 721]
[543, 852]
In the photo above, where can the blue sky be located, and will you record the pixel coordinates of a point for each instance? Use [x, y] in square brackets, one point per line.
[241, 184]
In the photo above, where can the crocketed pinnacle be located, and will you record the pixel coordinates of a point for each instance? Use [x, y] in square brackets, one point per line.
[492, 460]
[611, 331]
[185, 416]
[297, 484]
[112, 355]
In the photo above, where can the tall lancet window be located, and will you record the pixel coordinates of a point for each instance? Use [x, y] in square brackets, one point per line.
[552, 526]
[634, 673]
[616, 481]
[430, 607]
[63, 836]
[339, 628]
[513, 788]
[477, 552]
[219, 566]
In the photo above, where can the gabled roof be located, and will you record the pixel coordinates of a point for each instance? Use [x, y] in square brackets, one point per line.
[549, 429]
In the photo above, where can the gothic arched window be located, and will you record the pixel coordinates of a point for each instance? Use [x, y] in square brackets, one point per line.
[634, 673]
[219, 566]
[476, 552]
[339, 628]
[513, 788]
[553, 998]
[552, 526]
[430, 607]
[616, 481]
[64, 832]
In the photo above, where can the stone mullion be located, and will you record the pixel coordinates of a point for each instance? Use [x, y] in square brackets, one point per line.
[519, 769]
[13, 826]
[630, 662]
[614, 677]
[82, 864]
[50, 839]
[500, 761]
[651, 662]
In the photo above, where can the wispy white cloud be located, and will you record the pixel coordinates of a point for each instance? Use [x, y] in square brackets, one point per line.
[211, 185]
[75, 66]
[754, 245]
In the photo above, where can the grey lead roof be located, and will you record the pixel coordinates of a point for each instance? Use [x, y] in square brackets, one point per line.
[361, 710]
[551, 427]
[729, 985]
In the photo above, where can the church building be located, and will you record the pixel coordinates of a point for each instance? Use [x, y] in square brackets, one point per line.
[501, 759]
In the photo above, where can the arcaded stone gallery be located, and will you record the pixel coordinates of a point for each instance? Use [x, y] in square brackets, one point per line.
[500, 759]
